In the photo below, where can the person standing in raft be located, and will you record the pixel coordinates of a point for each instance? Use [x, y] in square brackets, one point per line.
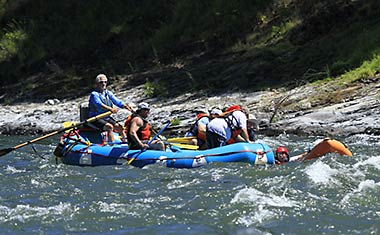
[103, 100]
[230, 124]
[138, 130]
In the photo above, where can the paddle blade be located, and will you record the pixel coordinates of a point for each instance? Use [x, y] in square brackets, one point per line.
[185, 146]
[6, 151]
[182, 140]
[327, 146]
[68, 125]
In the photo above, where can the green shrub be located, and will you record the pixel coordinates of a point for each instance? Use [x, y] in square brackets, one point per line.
[11, 42]
[369, 68]
[155, 89]
[176, 122]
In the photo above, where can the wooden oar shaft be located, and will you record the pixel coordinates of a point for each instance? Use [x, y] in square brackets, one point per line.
[36, 139]
[100, 116]
[93, 119]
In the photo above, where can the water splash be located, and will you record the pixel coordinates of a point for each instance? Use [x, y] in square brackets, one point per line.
[321, 173]
[372, 161]
[14, 170]
[23, 213]
[360, 191]
[256, 197]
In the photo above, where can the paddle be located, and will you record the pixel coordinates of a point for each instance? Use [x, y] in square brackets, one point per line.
[150, 141]
[163, 138]
[100, 116]
[182, 140]
[185, 146]
[177, 141]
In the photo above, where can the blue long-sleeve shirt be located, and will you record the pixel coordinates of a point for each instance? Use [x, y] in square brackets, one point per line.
[98, 98]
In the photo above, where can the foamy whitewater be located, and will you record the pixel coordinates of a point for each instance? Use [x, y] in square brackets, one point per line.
[330, 195]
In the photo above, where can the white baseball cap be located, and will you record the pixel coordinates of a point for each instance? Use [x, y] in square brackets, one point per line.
[143, 105]
[216, 111]
[201, 110]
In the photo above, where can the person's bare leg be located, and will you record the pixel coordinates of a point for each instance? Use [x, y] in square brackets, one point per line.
[109, 128]
[121, 132]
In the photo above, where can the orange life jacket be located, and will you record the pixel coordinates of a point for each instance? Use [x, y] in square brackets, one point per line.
[143, 132]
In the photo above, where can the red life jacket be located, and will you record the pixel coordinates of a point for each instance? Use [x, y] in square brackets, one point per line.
[233, 108]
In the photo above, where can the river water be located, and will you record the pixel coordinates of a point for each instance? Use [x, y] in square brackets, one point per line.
[330, 195]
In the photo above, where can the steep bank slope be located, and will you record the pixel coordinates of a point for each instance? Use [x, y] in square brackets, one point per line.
[184, 46]
[300, 66]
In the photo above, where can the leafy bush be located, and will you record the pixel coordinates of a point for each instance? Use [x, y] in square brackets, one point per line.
[11, 42]
[155, 89]
[176, 122]
[368, 69]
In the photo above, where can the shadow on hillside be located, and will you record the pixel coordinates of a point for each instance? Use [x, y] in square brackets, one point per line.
[332, 37]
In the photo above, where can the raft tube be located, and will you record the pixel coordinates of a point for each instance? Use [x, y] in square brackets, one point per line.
[86, 148]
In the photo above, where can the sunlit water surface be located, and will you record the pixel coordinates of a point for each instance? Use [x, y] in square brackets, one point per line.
[331, 195]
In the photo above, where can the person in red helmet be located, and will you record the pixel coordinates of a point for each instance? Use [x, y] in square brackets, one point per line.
[282, 155]
[319, 149]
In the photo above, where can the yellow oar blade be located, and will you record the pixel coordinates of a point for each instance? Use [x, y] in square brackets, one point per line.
[182, 140]
[69, 124]
[185, 146]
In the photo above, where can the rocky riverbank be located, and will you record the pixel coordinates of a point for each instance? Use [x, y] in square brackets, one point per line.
[306, 110]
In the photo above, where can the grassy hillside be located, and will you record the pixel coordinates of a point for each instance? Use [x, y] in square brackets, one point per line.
[186, 45]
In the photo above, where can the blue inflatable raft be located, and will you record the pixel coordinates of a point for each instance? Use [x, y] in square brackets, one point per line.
[87, 148]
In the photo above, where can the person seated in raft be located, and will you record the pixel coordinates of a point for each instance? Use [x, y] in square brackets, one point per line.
[229, 125]
[138, 130]
[102, 100]
[198, 129]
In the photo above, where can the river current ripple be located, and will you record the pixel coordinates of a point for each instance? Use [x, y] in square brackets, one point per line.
[330, 195]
